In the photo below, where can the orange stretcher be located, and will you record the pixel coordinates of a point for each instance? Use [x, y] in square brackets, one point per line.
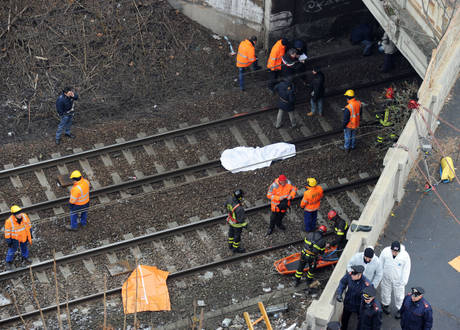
[288, 265]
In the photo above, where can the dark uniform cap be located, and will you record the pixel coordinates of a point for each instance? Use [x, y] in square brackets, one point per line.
[395, 246]
[417, 291]
[357, 269]
[369, 292]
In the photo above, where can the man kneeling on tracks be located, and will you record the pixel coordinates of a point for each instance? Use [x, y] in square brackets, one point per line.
[315, 245]
[236, 220]
[17, 234]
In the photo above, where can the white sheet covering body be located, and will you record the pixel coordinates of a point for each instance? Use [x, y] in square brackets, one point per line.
[242, 159]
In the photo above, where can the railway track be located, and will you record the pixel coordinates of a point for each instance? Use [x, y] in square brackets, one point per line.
[41, 175]
[156, 247]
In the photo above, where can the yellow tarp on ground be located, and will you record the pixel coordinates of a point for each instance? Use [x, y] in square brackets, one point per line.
[152, 291]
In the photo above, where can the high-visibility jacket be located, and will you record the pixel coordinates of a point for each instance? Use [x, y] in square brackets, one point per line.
[314, 244]
[246, 54]
[312, 198]
[277, 192]
[236, 215]
[276, 56]
[79, 194]
[354, 106]
[18, 231]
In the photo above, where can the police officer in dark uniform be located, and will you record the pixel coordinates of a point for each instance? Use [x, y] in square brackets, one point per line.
[340, 228]
[370, 312]
[236, 219]
[355, 281]
[416, 312]
[315, 245]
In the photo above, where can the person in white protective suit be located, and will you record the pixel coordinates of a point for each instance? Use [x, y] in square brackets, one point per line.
[371, 263]
[396, 269]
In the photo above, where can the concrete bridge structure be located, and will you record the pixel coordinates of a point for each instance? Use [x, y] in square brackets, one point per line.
[426, 32]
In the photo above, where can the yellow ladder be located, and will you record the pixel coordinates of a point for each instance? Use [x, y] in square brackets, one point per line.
[263, 317]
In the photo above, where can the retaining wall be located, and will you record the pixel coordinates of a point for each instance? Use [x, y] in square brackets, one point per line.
[441, 74]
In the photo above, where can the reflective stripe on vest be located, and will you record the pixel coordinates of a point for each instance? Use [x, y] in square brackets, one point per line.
[354, 115]
[312, 244]
[232, 216]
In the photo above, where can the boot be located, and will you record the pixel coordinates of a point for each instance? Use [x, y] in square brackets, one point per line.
[9, 266]
[27, 260]
[70, 228]
[297, 281]
[270, 231]
[398, 315]
[386, 309]
[239, 249]
[230, 246]
[310, 114]
[281, 226]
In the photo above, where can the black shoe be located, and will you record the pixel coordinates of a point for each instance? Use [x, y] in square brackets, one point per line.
[343, 148]
[230, 246]
[70, 228]
[398, 315]
[282, 227]
[70, 135]
[386, 309]
[270, 231]
[9, 266]
[58, 142]
[27, 260]
[297, 281]
[239, 250]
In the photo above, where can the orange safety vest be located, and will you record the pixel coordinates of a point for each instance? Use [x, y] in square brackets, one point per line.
[18, 231]
[79, 194]
[246, 54]
[277, 192]
[312, 198]
[354, 106]
[276, 56]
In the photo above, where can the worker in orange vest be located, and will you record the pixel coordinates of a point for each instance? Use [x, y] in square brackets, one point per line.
[274, 61]
[246, 57]
[281, 192]
[351, 117]
[17, 234]
[79, 201]
[310, 203]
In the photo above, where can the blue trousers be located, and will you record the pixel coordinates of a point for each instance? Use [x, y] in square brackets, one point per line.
[12, 250]
[77, 211]
[254, 66]
[317, 106]
[64, 125]
[309, 220]
[350, 138]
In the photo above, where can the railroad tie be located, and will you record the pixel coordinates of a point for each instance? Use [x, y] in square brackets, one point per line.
[324, 124]
[188, 177]
[204, 159]
[15, 180]
[159, 247]
[238, 136]
[105, 158]
[285, 134]
[3, 206]
[160, 169]
[62, 169]
[145, 187]
[147, 147]
[190, 137]
[65, 270]
[126, 152]
[365, 175]
[117, 180]
[26, 202]
[204, 237]
[301, 123]
[135, 251]
[211, 132]
[352, 195]
[334, 203]
[259, 132]
[168, 142]
[182, 242]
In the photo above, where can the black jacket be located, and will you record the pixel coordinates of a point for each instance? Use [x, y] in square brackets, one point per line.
[352, 300]
[286, 95]
[370, 316]
[318, 86]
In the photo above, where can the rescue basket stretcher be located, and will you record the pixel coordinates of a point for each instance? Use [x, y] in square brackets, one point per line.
[289, 264]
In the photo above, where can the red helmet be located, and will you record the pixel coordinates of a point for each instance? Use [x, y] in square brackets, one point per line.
[322, 229]
[332, 214]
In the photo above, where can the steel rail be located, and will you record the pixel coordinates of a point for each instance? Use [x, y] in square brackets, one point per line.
[166, 233]
[160, 176]
[177, 274]
[177, 132]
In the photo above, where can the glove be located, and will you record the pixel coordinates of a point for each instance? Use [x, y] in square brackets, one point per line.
[9, 242]
[339, 298]
[283, 205]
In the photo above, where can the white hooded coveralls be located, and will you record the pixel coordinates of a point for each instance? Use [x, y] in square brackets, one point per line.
[372, 270]
[396, 273]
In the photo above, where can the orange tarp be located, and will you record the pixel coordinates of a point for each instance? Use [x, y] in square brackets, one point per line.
[152, 291]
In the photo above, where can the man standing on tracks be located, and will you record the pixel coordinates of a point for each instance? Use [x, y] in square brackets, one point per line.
[310, 203]
[245, 58]
[351, 118]
[317, 93]
[416, 312]
[64, 107]
[79, 201]
[340, 229]
[286, 102]
[315, 245]
[281, 192]
[274, 61]
[17, 234]
[371, 263]
[236, 220]
[355, 283]
[396, 266]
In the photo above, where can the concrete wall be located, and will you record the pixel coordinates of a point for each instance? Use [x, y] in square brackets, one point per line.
[238, 19]
[441, 75]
